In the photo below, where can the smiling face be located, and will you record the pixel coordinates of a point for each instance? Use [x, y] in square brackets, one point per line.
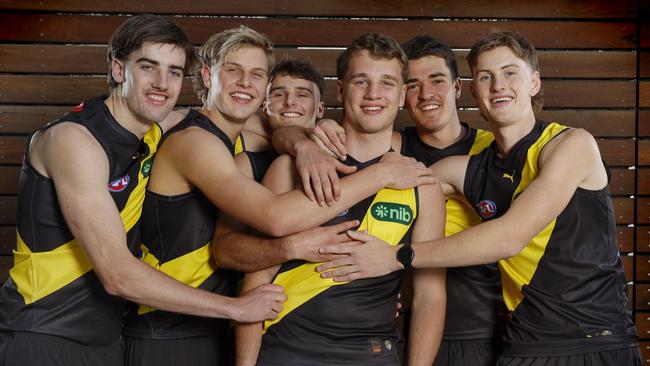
[431, 93]
[293, 101]
[151, 80]
[372, 91]
[236, 88]
[503, 86]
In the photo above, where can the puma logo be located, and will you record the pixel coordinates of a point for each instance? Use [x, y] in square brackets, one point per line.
[509, 176]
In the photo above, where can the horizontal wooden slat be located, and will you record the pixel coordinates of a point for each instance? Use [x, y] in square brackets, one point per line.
[327, 32]
[26, 119]
[644, 94]
[643, 181]
[645, 353]
[7, 239]
[625, 238]
[643, 239]
[644, 123]
[644, 152]
[643, 297]
[643, 210]
[642, 321]
[91, 59]
[628, 267]
[8, 210]
[368, 8]
[617, 152]
[622, 181]
[644, 64]
[11, 149]
[31, 89]
[9, 179]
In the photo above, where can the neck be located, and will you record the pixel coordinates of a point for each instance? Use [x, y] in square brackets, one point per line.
[122, 114]
[232, 128]
[366, 146]
[508, 135]
[444, 138]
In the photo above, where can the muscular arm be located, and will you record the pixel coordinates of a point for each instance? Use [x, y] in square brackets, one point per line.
[199, 159]
[79, 171]
[569, 162]
[429, 295]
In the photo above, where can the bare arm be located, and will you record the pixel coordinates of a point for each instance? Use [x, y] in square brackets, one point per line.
[509, 234]
[80, 174]
[257, 134]
[429, 294]
[198, 158]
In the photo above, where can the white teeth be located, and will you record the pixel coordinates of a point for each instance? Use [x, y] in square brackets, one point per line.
[372, 108]
[158, 98]
[290, 114]
[242, 96]
[429, 107]
[502, 99]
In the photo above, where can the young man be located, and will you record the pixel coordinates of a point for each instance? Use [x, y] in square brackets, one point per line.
[562, 277]
[80, 200]
[194, 177]
[353, 323]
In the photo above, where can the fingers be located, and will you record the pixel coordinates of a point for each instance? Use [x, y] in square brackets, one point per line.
[345, 169]
[305, 177]
[335, 138]
[344, 226]
[328, 140]
[322, 146]
[361, 236]
[335, 184]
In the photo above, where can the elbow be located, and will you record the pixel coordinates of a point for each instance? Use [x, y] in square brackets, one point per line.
[113, 285]
[278, 225]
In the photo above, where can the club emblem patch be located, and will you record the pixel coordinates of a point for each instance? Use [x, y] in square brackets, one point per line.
[487, 209]
[119, 184]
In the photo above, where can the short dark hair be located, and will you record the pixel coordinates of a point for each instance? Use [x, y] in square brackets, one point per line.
[133, 33]
[378, 46]
[519, 45]
[301, 70]
[422, 46]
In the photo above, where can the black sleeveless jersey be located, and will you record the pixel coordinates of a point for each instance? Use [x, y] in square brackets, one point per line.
[566, 289]
[177, 233]
[52, 288]
[475, 307]
[330, 323]
[260, 162]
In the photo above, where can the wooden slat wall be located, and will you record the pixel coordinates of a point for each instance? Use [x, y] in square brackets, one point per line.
[594, 54]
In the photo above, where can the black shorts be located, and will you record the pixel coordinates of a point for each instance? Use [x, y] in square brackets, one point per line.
[195, 351]
[630, 356]
[35, 349]
[468, 352]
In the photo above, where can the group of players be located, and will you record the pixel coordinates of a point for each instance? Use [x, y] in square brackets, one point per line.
[506, 239]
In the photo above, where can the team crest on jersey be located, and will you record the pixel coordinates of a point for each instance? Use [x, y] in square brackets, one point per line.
[392, 212]
[78, 108]
[345, 212]
[487, 209]
[146, 167]
[119, 184]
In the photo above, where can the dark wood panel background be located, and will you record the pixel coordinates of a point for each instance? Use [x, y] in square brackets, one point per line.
[594, 56]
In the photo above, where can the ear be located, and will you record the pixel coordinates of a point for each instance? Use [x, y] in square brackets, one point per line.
[339, 91]
[206, 73]
[117, 70]
[402, 96]
[472, 88]
[535, 83]
[458, 87]
[265, 110]
[320, 110]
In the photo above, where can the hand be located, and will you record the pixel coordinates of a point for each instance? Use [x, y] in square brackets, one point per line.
[305, 245]
[261, 303]
[317, 172]
[406, 172]
[330, 137]
[372, 258]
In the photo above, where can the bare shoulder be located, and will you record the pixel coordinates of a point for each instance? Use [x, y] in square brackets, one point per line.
[173, 118]
[450, 172]
[244, 164]
[574, 139]
[396, 141]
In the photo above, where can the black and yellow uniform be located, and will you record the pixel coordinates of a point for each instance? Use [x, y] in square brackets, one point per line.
[240, 144]
[566, 289]
[260, 162]
[176, 235]
[52, 288]
[331, 323]
[475, 310]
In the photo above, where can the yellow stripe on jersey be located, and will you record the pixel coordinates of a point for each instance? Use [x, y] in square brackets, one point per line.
[239, 144]
[192, 268]
[519, 270]
[37, 275]
[394, 213]
[131, 212]
[483, 139]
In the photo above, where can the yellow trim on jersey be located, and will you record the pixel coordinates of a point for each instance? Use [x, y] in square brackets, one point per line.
[519, 270]
[460, 216]
[192, 268]
[304, 282]
[239, 144]
[131, 212]
[37, 275]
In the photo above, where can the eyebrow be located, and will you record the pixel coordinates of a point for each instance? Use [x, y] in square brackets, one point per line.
[154, 62]
[501, 68]
[431, 76]
[241, 66]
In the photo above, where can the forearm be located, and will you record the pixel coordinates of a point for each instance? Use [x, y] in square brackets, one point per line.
[428, 317]
[249, 253]
[286, 140]
[248, 336]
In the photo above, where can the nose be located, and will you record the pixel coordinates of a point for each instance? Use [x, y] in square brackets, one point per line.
[426, 91]
[497, 83]
[161, 81]
[244, 80]
[289, 100]
[372, 91]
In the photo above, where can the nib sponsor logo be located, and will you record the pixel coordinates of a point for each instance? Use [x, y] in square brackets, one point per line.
[392, 212]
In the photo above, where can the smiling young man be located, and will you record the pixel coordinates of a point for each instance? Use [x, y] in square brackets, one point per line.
[195, 177]
[353, 323]
[562, 277]
[80, 200]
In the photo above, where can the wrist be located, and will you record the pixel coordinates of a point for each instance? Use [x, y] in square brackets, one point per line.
[232, 310]
[404, 255]
[287, 249]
